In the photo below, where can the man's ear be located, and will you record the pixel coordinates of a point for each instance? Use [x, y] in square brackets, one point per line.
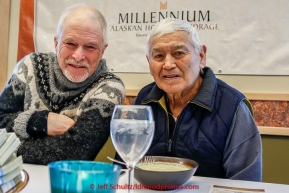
[149, 64]
[56, 43]
[203, 58]
[104, 47]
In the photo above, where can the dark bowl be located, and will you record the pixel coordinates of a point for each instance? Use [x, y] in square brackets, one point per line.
[165, 180]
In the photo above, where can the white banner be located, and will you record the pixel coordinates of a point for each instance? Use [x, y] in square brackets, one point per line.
[242, 36]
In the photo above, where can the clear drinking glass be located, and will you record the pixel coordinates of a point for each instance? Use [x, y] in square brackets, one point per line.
[132, 129]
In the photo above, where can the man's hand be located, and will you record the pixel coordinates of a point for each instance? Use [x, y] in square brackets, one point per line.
[58, 124]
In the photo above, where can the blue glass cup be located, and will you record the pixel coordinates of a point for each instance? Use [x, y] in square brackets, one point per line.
[83, 176]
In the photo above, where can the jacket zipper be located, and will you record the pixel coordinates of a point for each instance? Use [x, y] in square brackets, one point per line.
[170, 140]
[170, 145]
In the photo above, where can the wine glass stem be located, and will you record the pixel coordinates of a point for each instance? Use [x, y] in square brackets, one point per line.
[130, 179]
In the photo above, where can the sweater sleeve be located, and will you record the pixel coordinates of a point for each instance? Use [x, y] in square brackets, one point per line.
[243, 152]
[12, 114]
[85, 139]
[37, 124]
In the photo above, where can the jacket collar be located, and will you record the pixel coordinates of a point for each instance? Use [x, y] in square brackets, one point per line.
[206, 95]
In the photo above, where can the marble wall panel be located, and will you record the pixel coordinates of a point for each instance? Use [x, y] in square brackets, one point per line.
[271, 113]
[267, 113]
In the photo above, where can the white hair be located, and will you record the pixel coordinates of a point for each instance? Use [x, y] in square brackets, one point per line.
[87, 11]
[170, 25]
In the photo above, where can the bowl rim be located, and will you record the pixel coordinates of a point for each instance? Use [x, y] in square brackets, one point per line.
[194, 167]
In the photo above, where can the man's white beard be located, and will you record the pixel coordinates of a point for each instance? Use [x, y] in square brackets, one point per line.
[75, 79]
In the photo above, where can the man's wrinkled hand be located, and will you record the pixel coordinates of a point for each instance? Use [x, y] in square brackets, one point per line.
[58, 124]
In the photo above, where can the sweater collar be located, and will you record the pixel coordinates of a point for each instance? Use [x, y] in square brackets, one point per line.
[63, 89]
[64, 84]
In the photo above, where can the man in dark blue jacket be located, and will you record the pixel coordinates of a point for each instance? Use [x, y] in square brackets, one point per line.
[198, 116]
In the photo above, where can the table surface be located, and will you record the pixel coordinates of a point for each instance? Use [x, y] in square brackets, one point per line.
[39, 182]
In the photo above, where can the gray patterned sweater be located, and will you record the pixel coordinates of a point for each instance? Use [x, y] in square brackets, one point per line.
[37, 87]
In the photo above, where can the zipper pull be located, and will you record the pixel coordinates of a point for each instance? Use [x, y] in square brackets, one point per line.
[170, 146]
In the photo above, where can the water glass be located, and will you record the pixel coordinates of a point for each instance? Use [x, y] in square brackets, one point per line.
[131, 131]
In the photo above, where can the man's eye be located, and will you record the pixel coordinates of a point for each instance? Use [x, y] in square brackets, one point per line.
[90, 47]
[70, 44]
[158, 56]
[179, 53]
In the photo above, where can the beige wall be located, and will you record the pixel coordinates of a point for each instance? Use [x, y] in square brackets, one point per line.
[13, 35]
[135, 81]
[4, 31]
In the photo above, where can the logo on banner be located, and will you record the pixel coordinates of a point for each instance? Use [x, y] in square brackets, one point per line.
[163, 6]
[143, 22]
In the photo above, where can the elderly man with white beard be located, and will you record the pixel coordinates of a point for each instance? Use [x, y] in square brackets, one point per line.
[60, 104]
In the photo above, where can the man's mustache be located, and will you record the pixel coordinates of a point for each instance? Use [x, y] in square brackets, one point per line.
[79, 64]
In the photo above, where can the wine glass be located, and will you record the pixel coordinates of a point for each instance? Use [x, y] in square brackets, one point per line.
[131, 130]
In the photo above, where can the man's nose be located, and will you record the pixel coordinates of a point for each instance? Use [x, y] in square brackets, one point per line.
[169, 62]
[78, 54]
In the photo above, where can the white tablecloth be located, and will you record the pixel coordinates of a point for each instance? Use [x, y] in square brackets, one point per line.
[39, 182]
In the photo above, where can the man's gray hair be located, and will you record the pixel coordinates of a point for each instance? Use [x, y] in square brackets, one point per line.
[90, 12]
[170, 25]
